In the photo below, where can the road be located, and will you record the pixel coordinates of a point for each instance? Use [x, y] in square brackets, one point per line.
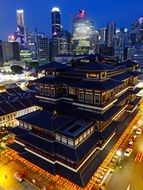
[7, 180]
[130, 176]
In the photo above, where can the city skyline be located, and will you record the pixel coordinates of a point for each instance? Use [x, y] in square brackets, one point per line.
[42, 19]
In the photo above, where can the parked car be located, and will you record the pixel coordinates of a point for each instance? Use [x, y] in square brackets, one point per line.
[130, 143]
[135, 137]
[19, 176]
[127, 152]
[138, 131]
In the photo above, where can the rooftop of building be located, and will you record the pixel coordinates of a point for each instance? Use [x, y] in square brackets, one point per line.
[97, 66]
[47, 120]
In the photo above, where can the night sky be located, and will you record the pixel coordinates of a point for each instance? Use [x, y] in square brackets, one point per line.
[37, 13]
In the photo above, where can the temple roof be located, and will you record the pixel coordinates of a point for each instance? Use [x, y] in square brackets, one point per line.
[96, 84]
[47, 120]
[55, 81]
[97, 66]
[53, 66]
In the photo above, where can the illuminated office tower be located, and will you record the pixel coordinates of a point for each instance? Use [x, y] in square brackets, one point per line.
[111, 29]
[83, 33]
[20, 17]
[21, 32]
[56, 21]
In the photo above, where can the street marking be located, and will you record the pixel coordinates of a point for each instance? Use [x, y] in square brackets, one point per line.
[128, 188]
[139, 157]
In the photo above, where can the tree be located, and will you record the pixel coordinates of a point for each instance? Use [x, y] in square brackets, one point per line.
[34, 64]
[16, 69]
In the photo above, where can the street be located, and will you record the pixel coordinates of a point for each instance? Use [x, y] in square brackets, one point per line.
[7, 180]
[130, 176]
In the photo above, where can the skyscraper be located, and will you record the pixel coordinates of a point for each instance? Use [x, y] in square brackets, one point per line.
[56, 21]
[21, 32]
[83, 33]
[20, 17]
[42, 47]
[111, 29]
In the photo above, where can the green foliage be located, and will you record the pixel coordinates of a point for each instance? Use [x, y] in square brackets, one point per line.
[16, 69]
[34, 64]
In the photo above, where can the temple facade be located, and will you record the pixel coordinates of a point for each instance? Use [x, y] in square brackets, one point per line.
[82, 109]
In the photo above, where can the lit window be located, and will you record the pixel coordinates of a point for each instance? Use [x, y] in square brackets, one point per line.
[58, 137]
[96, 98]
[89, 97]
[70, 142]
[64, 139]
[76, 142]
[81, 96]
[52, 91]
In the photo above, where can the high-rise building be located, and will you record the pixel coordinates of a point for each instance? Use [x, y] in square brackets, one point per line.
[102, 35]
[56, 21]
[83, 33]
[8, 51]
[16, 51]
[20, 17]
[136, 32]
[111, 29]
[42, 47]
[121, 43]
[61, 44]
[21, 32]
[31, 44]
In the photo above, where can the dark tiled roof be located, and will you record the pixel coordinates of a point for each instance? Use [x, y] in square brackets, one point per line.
[97, 116]
[96, 66]
[122, 76]
[17, 147]
[129, 63]
[136, 90]
[136, 101]
[78, 127]
[7, 108]
[39, 162]
[18, 90]
[136, 73]
[107, 132]
[18, 131]
[38, 142]
[5, 95]
[26, 102]
[96, 85]
[53, 66]
[47, 120]
[123, 96]
[55, 81]
[18, 105]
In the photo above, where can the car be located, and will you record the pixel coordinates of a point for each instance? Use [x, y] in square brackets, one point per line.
[18, 176]
[127, 152]
[138, 131]
[130, 143]
[135, 137]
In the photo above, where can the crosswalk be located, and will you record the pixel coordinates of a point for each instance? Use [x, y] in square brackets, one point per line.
[139, 157]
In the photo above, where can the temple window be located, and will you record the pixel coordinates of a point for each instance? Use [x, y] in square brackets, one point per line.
[52, 92]
[96, 98]
[58, 137]
[89, 97]
[64, 139]
[47, 90]
[70, 142]
[41, 89]
[81, 95]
